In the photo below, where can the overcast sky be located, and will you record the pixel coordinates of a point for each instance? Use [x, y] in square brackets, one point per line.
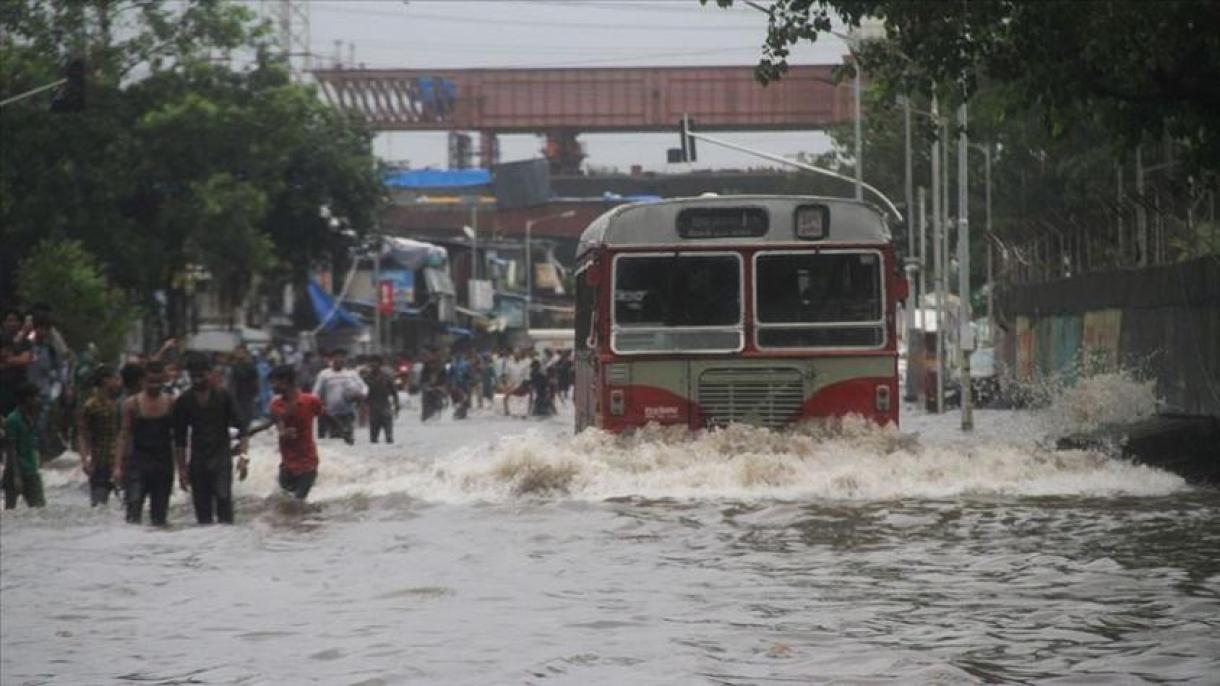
[557, 33]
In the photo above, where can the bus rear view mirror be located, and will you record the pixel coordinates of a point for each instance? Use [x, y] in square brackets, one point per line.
[592, 275]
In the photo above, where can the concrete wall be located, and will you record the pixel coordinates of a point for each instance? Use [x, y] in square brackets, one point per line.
[1162, 319]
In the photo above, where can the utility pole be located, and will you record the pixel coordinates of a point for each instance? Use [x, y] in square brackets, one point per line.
[923, 242]
[377, 310]
[474, 239]
[1141, 216]
[860, 137]
[913, 294]
[990, 248]
[965, 337]
[938, 264]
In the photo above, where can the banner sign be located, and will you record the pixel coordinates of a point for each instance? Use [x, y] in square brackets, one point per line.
[385, 297]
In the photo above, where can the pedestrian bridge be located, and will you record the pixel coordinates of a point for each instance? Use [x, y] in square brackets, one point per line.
[593, 100]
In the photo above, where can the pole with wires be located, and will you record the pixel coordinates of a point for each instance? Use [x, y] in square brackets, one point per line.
[965, 335]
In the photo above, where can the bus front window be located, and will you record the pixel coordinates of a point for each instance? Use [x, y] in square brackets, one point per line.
[657, 297]
[819, 300]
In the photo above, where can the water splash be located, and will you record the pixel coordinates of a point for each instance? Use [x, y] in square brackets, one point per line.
[849, 460]
[1090, 393]
[1106, 398]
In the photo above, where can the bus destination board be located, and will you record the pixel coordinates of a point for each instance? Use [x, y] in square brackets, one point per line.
[723, 222]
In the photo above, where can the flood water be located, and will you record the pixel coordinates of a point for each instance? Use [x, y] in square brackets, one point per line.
[500, 551]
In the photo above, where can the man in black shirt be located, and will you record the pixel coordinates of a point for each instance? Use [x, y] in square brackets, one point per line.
[382, 400]
[433, 385]
[208, 412]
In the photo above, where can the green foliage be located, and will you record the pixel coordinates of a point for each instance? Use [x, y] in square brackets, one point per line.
[179, 160]
[1133, 70]
[88, 308]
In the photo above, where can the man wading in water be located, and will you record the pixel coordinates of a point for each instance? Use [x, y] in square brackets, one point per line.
[206, 413]
[340, 389]
[144, 454]
[96, 432]
[293, 413]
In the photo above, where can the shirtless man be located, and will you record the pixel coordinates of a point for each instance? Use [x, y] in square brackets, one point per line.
[144, 452]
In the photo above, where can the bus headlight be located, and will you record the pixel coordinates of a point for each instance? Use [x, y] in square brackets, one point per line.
[882, 398]
[616, 402]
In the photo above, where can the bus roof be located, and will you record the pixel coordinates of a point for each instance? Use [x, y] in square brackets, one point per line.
[729, 220]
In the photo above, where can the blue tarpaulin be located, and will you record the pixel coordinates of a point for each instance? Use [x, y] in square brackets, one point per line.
[438, 178]
[323, 304]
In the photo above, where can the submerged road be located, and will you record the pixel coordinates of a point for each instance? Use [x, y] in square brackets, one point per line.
[507, 551]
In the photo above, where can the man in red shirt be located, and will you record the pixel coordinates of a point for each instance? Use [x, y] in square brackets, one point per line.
[294, 412]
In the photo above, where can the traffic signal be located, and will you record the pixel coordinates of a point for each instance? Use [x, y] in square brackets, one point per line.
[688, 142]
[71, 96]
[685, 152]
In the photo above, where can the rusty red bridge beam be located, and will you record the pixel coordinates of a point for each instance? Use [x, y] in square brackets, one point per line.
[617, 99]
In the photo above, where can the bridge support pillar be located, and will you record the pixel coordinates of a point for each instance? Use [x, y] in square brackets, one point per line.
[489, 149]
[563, 151]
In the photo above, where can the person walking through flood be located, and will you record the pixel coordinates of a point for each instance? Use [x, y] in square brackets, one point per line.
[205, 414]
[565, 375]
[432, 383]
[293, 413]
[97, 431]
[21, 476]
[382, 400]
[461, 383]
[540, 391]
[144, 452]
[340, 389]
[486, 372]
[245, 384]
[516, 380]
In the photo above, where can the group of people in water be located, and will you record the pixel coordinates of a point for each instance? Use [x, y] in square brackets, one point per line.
[542, 379]
[200, 435]
[185, 418]
[135, 436]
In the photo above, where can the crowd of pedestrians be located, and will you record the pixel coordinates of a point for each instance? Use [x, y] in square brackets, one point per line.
[462, 379]
[184, 418]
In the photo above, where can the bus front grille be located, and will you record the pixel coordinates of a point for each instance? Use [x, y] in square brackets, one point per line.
[769, 396]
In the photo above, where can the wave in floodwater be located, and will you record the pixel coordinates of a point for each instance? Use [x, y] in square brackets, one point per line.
[850, 460]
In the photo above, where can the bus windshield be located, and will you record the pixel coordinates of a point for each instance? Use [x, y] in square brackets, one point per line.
[810, 300]
[674, 291]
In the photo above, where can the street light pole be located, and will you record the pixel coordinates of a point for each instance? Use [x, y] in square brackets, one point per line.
[529, 260]
[965, 337]
[377, 309]
[912, 293]
[474, 240]
[986, 149]
[860, 137]
[529, 275]
[938, 265]
[923, 243]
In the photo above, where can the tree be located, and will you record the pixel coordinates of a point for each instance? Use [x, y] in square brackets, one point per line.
[1137, 70]
[179, 162]
[88, 308]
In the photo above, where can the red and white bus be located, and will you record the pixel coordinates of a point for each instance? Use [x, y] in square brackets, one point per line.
[757, 309]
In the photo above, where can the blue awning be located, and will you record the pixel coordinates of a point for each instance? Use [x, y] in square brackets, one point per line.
[438, 178]
[330, 316]
[459, 331]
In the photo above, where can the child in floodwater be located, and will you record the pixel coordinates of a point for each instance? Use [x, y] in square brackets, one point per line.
[293, 413]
